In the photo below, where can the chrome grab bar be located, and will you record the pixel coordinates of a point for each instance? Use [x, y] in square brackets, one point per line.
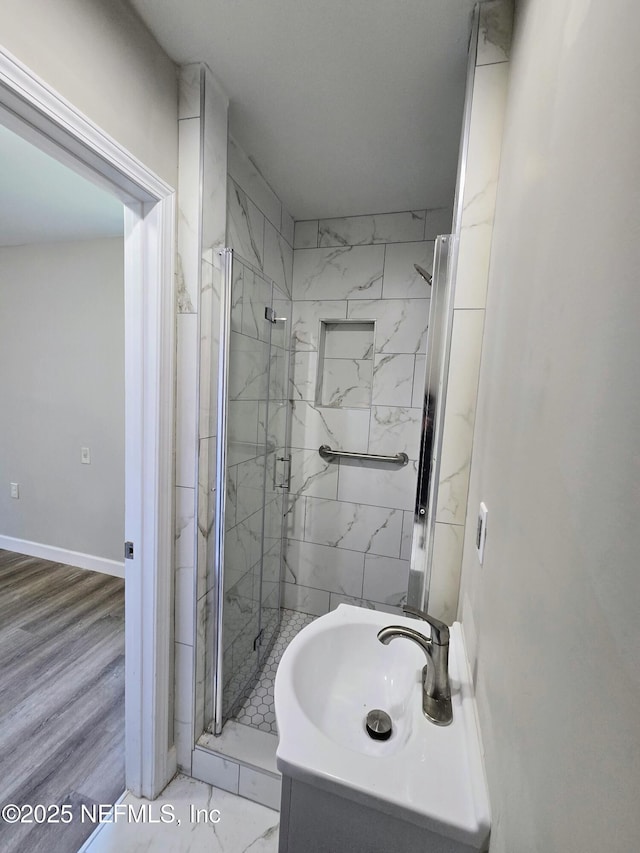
[327, 453]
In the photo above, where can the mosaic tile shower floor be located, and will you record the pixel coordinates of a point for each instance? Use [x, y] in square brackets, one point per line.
[259, 709]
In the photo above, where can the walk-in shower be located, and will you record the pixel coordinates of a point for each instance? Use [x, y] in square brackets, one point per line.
[247, 482]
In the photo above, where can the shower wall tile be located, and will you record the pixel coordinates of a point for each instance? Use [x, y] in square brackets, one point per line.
[346, 383]
[464, 366]
[377, 228]
[245, 226]
[401, 280]
[249, 178]
[305, 599]
[349, 340]
[302, 376]
[394, 429]
[189, 91]
[494, 32]
[305, 329]
[335, 600]
[287, 228]
[184, 682]
[278, 414]
[189, 223]
[352, 506]
[393, 380]
[249, 485]
[312, 475]
[445, 581]
[294, 516]
[377, 484]
[278, 258]
[242, 427]
[368, 529]
[325, 568]
[214, 165]
[485, 139]
[306, 234]
[341, 429]
[186, 399]
[385, 580]
[248, 368]
[185, 527]
[401, 324]
[439, 221]
[346, 272]
[242, 548]
[184, 605]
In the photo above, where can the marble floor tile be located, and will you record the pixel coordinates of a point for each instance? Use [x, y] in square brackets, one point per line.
[241, 824]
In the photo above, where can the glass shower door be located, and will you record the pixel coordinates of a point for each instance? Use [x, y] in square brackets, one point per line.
[251, 442]
[278, 467]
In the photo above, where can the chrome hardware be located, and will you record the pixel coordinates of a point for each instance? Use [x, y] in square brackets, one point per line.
[286, 484]
[439, 631]
[327, 453]
[270, 315]
[128, 550]
[436, 692]
[378, 725]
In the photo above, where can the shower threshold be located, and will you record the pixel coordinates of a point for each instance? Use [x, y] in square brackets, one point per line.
[243, 758]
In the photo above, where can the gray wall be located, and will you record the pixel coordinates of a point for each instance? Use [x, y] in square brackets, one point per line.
[100, 57]
[62, 388]
[553, 612]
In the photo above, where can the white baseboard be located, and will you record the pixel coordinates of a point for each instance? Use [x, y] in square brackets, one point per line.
[62, 555]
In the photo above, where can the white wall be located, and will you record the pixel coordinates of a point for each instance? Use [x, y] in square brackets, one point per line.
[554, 610]
[101, 58]
[62, 388]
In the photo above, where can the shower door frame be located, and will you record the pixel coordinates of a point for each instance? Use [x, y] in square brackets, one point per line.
[227, 256]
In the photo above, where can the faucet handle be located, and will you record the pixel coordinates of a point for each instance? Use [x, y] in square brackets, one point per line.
[439, 631]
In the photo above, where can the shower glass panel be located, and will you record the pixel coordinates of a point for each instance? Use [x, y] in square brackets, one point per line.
[251, 479]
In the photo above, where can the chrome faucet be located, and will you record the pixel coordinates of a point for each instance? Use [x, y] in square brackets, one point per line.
[436, 693]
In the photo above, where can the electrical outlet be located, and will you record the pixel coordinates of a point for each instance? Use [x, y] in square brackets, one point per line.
[481, 531]
[85, 456]
[15, 490]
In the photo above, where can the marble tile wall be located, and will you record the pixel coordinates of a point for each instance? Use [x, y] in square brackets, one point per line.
[349, 524]
[475, 228]
[259, 228]
[202, 135]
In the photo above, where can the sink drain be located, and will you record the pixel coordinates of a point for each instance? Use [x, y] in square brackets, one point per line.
[378, 725]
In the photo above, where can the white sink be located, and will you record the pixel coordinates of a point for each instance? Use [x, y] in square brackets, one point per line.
[336, 671]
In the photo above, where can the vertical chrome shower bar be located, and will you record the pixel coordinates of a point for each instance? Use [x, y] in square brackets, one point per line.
[226, 256]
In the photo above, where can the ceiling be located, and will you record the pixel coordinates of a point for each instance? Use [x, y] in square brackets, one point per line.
[42, 201]
[345, 106]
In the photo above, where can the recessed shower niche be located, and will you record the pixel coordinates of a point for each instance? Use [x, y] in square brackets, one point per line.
[345, 364]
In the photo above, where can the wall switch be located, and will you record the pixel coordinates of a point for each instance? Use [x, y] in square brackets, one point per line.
[85, 456]
[15, 490]
[481, 531]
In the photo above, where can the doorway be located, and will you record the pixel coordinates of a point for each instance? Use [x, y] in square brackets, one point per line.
[62, 671]
[35, 112]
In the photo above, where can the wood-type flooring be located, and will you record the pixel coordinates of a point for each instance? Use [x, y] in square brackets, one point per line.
[61, 696]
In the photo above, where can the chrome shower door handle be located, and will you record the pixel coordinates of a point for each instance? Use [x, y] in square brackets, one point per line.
[286, 483]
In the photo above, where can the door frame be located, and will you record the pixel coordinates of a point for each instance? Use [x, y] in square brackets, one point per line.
[36, 112]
